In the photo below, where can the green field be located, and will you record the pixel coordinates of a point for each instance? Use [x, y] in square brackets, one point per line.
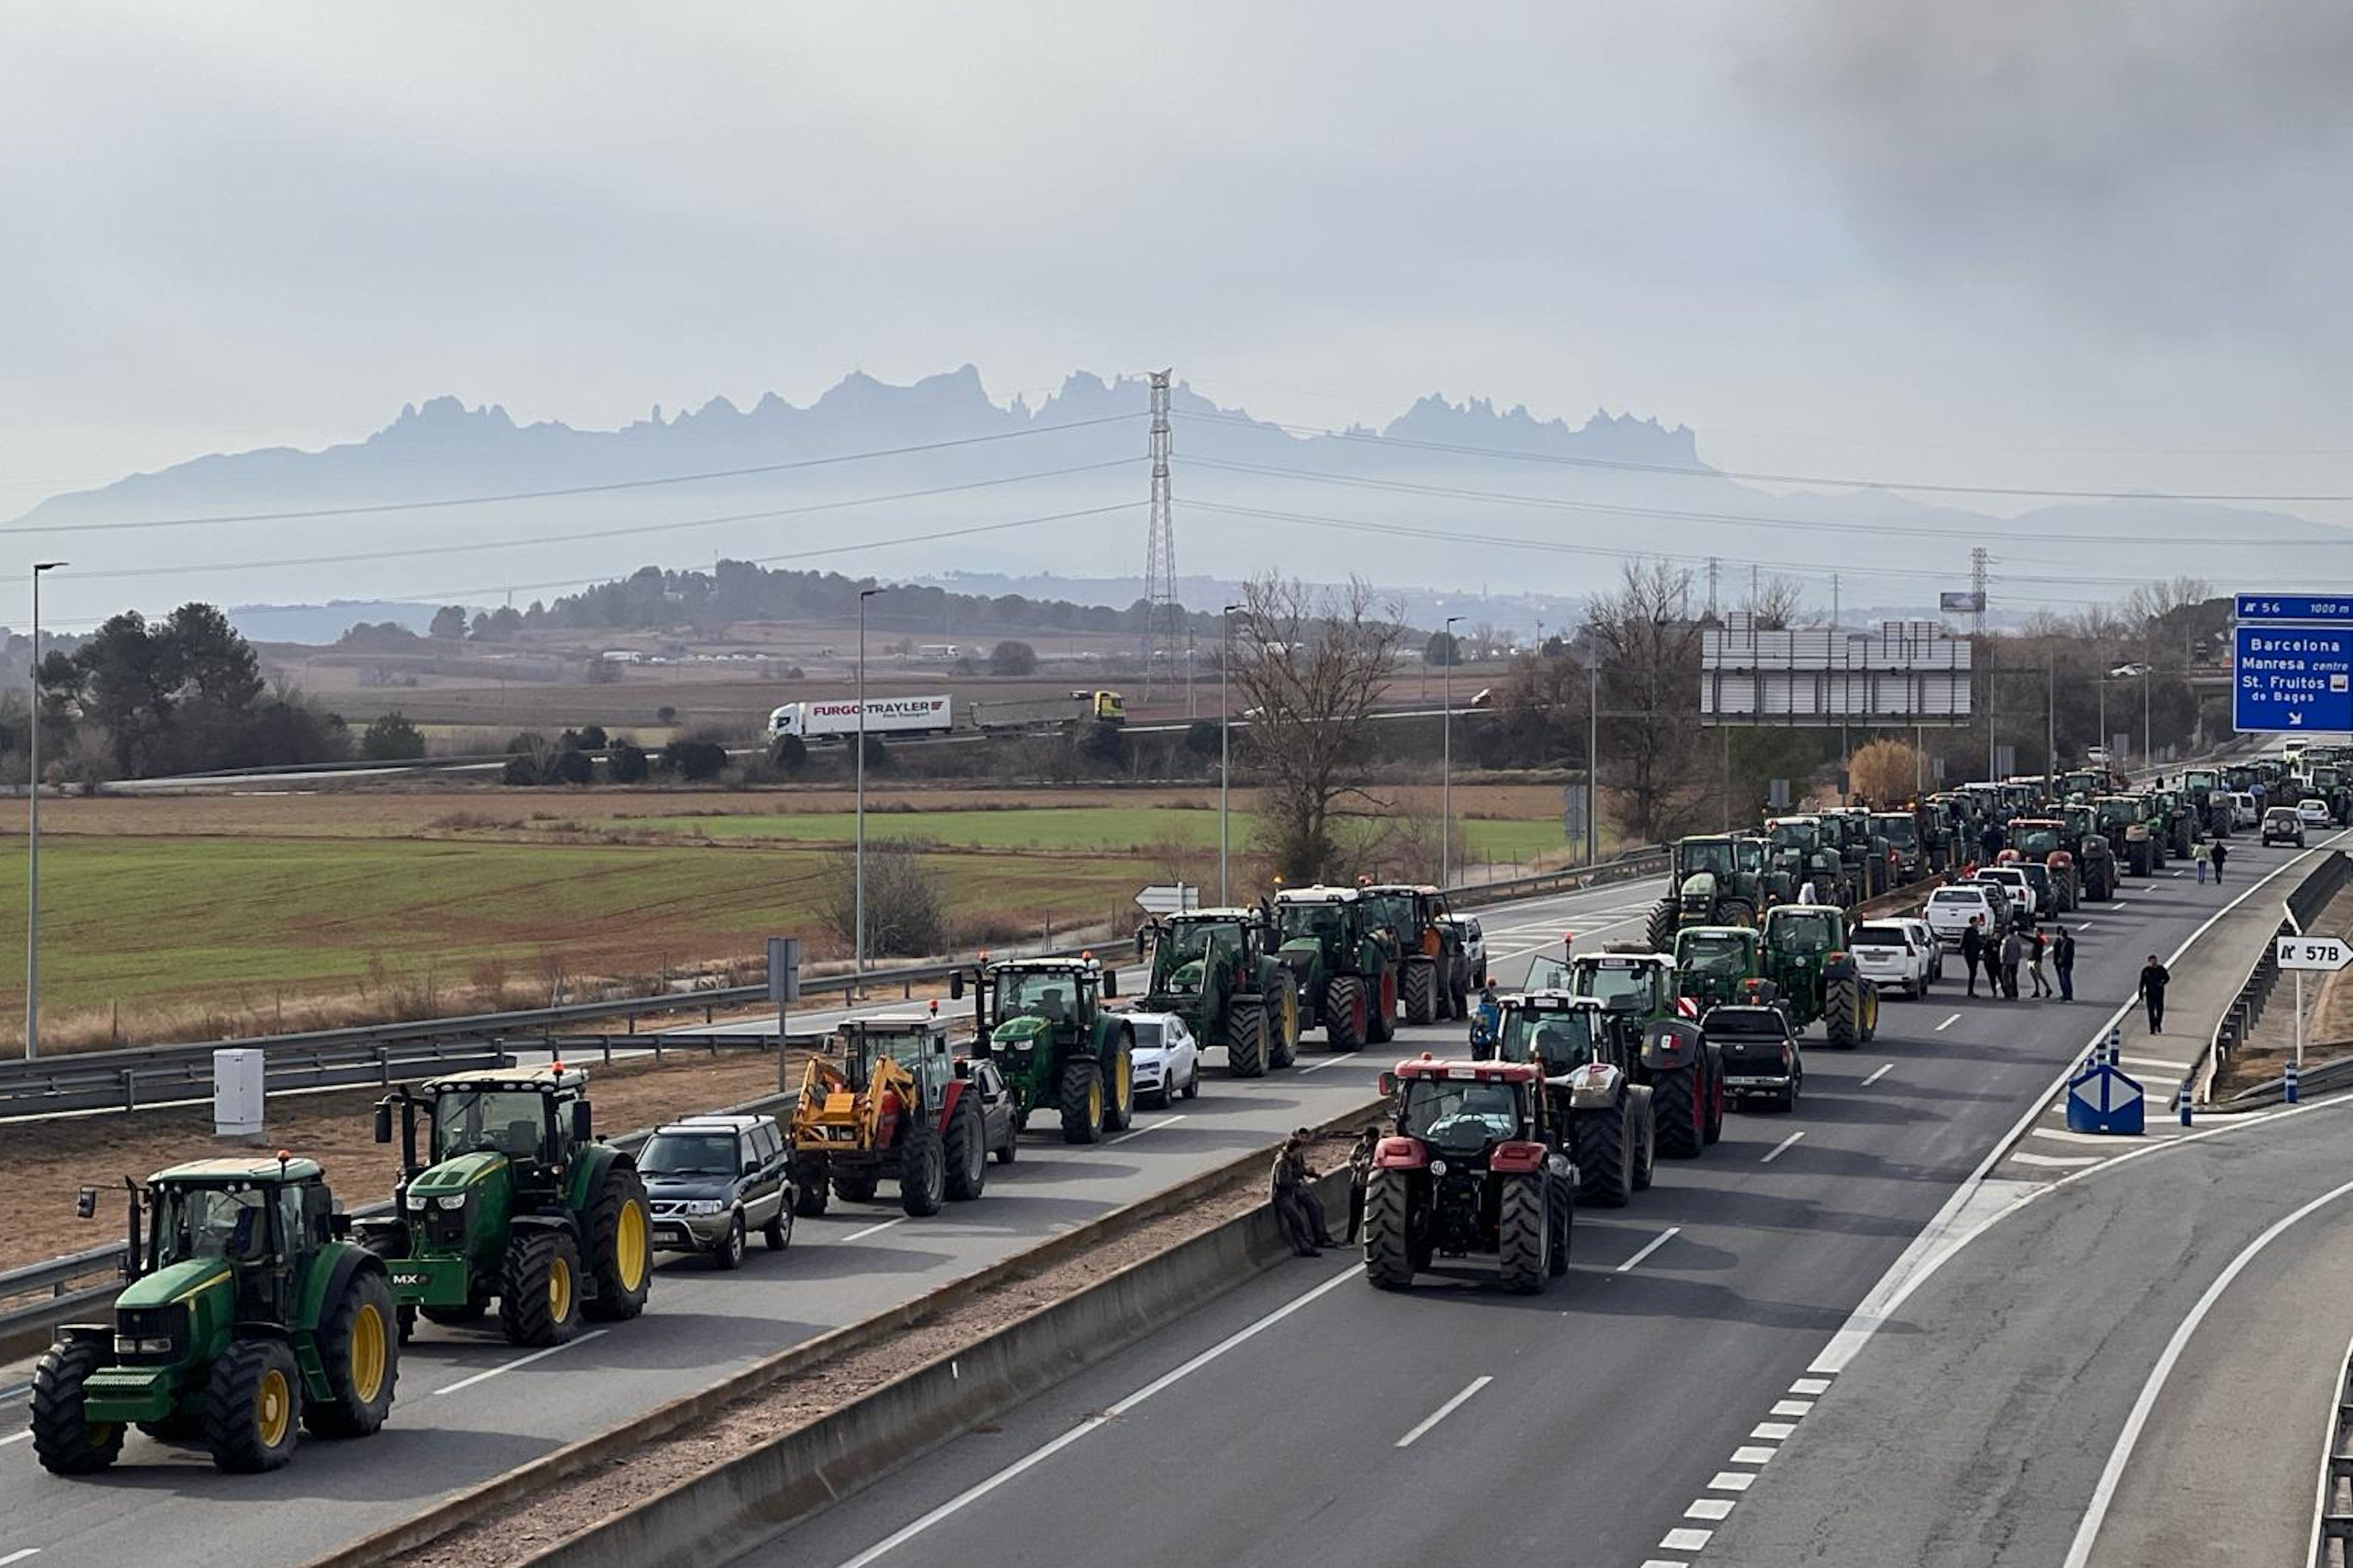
[1071, 830]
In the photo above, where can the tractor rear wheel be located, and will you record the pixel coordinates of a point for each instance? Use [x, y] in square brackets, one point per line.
[809, 1188]
[1418, 991]
[1381, 1008]
[1843, 1011]
[1715, 1095]
[1604, 1143]
[923, 1172]
[1735, 913]
[1641, 1111]
[253, 1406]
[1679, 1098]
[1119, 1085]
[1659, 930]
[359, 1348]
[1523, 1234]
[1246, 1051]
[1083, 1101]
[856, 1188]
[1344, 1023]
[1869, 1012]
[1564, 1208]
[621, 1246]
[1283, 1022]
[1388, 1217]
[65, 1442]
[539, 1289]
[966, 1151]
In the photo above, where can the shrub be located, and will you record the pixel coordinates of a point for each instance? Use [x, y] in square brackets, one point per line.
[571, 766]
[666, 714]
[626, 761]
[694, 761]
[906, 905]
[522, 769]
[790, 755]
[392, 739]
[593, 737]
[1010, 657]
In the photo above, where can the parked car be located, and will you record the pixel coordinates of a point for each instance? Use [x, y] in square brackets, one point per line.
[2313, 812]
[2096, 756]
[2038, 876]
[1926, 936]
[1475, 944]
[1891, 957]
[712, 1180]
[1760, 1052]
[1950, 910]
[1166, 1058]
[2012, 882]
[2282, 826]
[2245, 812]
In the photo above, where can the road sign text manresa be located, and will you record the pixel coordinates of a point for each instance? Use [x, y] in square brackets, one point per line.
[2327, 953]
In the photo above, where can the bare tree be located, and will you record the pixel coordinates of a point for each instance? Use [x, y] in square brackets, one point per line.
[1647, 642]
[1778, 603]
[1311, 666]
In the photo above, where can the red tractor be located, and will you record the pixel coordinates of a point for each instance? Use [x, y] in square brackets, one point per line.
[1475, 1163]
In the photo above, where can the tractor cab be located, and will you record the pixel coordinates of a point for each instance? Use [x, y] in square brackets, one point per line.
[1190, 951]
[495, 1133]
[2038, 838]
[1323, 924]
[916, 1043]
[1031, 996]
[236, 1231]
[1636, 984]
[1718, 879]
[1712, 961]
[1410, 913]
[1558, 1031]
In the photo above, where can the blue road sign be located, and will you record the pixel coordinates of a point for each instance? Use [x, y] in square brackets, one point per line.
[2277, 608]
[2291, 679]
[2103, 1100]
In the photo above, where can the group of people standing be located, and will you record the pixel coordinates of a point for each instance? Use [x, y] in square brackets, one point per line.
[2004, 954]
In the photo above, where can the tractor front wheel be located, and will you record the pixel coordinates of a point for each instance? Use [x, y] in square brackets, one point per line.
[1564, 1210]
[1418, 991]
[621, 1246]
[1736, 912]
[1604, 1141]
[1642, 1111]
[1119, 1085]
[1381, 1009]
[359, 1347]
[1246, 1042]
[1843, 1011]
[1389, 1251]
[856, 1187]
[966, 1151]
[1524, 1230]
[1282, 1023]
[923, 1172]
[1680, 1098]
[64, 1440]
[809, 1189]
[1344, 1023]
[1659, 930]
[1082, 1102]
[1715, 1092]
[539, 1289]
[253, 1406]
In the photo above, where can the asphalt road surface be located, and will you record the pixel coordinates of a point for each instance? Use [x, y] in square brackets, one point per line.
[471, 1406]
[1309, 1420]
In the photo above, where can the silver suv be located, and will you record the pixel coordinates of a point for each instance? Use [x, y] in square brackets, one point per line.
[712, 1180]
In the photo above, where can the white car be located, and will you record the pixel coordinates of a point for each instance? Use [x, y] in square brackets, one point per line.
[1950, 910]
[2314, 812]
[1474, 945]
[2245, 812]
[2011, 883]
[1889, 956]
[1926, 937]
[1167, 1059]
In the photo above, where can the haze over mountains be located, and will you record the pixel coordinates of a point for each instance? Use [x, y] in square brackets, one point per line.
[1445, 499]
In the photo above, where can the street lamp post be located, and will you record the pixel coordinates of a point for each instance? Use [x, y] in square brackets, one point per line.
[1225, 757]
[33, 838]
[1592, 763]
[860, 914]
[1446, 763]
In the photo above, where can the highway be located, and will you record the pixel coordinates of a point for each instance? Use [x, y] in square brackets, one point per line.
[471, 1406]
[1616, 1420]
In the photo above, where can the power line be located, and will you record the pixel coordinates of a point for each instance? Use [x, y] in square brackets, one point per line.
[605, 489]
[1704, 472]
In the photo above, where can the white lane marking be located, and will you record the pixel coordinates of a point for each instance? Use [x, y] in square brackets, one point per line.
[1732, 1481]
[16, 1438]
[1810, 1387]
[979, 1490]
[2104, 1492]
[1443, 1411]
[1709, 1508]
[1151, 1127]
[2327, 1476]
[870, 1230]
[2057, 1161]
[1782, 1148]
[1881, 1073]
[1332, 1060]
[521, 1360]
[12, 1392]
[2118, 903]
[21, 1552]
[2155, 1063]
[1948, 1023]
[1964, 1217]
[2181, 873]
[1655, 1243]
[2156, 1134]
[1686, 1540]
[1772, 1431]
[1753, 1456]
[1791, 1407]
[1664, 1562]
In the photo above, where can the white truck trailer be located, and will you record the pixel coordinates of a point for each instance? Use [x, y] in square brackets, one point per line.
[831, 718]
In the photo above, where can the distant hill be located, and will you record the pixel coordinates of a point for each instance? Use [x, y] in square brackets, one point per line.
[1447, 498]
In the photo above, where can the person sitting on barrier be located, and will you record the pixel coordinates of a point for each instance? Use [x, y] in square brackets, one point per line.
[1283, 1192]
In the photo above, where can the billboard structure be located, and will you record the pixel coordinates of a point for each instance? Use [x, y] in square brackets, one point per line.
[1907, 672]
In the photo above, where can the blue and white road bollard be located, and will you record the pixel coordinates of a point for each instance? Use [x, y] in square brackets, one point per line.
[2115, 1046]
[2290, 1081]
[2181, 1098]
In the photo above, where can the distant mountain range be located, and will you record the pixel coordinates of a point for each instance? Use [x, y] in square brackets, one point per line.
[1449, 502]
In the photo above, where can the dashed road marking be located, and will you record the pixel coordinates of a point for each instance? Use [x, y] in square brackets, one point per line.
[2059, 1162]
[2154, 1064]
[1811, 1387]
[1746, 1455]
[1664, 1562]
[1733, 1482]
[1710, 1508]
[1330, 1061]
[1782, 1148]
[1443, 1411]
[1150, 1127]
[870, 1230]
[484, 1376]
[1655, 1243]
[19, 1555]
[1686, 1540]
[1772, 1431]
[1881, 1073]
[16, 1438]
[1948, 1023]
[1791, 1407]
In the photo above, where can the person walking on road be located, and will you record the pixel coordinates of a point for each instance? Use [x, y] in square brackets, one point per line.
[2202, 852]
[1972, 951]
[1360, 1176]
[2062, 958]
[2221, 853]
[2035, 945]
[1286, 1191]
[2013, 953]
[2153, 978]
[1991, 954]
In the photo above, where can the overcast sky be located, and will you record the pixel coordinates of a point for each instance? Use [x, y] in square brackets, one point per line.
[2099, 244]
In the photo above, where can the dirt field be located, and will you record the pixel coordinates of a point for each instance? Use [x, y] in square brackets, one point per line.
[2328, 1018]
[47, 1161]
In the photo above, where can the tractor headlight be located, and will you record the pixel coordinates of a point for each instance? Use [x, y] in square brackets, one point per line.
[454, 1201]
[128, 1344]
[418, 1203]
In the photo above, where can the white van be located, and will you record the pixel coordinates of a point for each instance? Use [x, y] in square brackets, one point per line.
[1950, 910]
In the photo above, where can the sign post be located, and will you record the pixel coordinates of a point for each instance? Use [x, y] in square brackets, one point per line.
[784, 990]
[2300, 954]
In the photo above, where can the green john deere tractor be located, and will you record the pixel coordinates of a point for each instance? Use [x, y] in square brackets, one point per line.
[1806, 850]
[2123, 821]
[1712, 963]
[2096, 861]
[1345, 970]
[1060, 1048]
[1717, 880]
[247, 1314]
[1433, 972]
[1814, 976]
[517, 1203]
[1215, 969]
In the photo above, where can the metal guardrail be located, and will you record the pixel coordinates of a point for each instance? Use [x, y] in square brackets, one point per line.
[2312, 895]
